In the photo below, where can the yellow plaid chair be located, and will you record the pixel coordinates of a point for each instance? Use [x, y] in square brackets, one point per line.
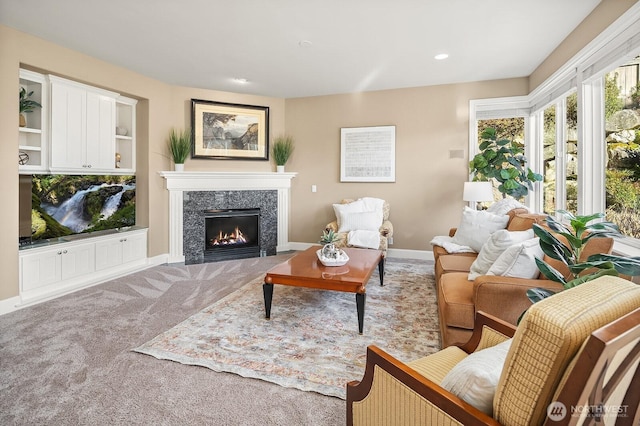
[574, 359]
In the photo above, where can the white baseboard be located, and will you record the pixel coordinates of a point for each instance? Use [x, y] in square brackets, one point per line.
[9, 305]
[395, 253]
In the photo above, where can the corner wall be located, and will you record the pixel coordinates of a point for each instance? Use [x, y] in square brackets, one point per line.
[426, 198]
[160, 108]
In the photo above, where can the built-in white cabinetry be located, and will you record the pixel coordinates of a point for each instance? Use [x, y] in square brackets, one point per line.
[58, 268]
[126, 134]
[33, 141]
[117, 251]
[83, 125]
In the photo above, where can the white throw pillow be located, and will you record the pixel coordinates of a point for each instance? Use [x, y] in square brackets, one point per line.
[519, 260]
[360, 221]
[363, 214]
[505, 205]
[476, 226]
[475, 378]
[497, 243]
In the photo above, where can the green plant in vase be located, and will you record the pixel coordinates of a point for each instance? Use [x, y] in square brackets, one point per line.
[26, 105]
[281, 150]
[179, 145]
[503, 160]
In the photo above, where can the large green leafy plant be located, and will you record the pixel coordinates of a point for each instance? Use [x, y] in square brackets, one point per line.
[504, 161]
[581, 230]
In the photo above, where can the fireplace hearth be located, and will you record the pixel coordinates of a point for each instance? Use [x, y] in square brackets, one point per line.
[231, 234]
[253, 212]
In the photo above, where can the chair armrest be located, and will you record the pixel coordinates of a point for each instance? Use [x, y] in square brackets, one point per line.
[386, 229]
[452, 231]
[333, 226]
[402, 387]
[506, 297]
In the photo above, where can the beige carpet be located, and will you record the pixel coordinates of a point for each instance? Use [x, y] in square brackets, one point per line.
[69, 361]
[311, 342]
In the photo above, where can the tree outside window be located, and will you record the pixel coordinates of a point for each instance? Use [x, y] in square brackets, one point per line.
[622, 125]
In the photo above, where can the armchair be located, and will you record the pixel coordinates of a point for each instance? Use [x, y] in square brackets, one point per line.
[384, 227]
[578, 348]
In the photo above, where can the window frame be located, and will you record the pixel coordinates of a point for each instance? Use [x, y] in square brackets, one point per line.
[584, 73]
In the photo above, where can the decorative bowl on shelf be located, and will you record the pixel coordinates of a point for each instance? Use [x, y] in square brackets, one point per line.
[340, 260]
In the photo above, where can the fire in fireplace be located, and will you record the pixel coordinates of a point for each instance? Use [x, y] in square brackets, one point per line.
[231, 234]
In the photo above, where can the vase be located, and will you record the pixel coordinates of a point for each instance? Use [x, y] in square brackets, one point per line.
[280, 169]
[23, 120]
[178, 167]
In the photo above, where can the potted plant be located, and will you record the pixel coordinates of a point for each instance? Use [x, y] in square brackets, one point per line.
[504, 161]
[577, 235]
[281, 150]
[26, 105]
[179, 147]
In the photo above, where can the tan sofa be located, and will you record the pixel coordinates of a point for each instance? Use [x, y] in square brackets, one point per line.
[503, 297]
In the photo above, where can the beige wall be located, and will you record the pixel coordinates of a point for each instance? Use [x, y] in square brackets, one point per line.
[426, 198]
[596, 22]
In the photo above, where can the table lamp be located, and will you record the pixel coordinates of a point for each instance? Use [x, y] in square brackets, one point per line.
[477, 192]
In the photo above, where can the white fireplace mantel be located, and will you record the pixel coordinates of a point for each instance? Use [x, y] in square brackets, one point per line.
[179, 182]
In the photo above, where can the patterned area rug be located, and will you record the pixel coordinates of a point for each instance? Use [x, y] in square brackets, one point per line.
[311, 341]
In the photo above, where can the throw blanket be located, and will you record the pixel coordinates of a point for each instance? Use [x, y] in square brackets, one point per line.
[365, 239]
[447, 243]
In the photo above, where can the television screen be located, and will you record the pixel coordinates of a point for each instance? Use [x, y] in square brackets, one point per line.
[64, 205]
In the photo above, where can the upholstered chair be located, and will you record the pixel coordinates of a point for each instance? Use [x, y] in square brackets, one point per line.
[578, 348]
[346, 222]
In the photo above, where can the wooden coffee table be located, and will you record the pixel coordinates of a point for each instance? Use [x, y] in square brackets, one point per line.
[305, 270]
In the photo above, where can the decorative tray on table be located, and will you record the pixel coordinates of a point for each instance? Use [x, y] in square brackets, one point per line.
[340, 260]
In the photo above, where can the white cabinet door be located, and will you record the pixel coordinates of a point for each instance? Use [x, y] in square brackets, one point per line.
[40, 269]
[108, 253]
[100, 140]
[83, 122]
[134, 247]
[78, 260]
[68, 121]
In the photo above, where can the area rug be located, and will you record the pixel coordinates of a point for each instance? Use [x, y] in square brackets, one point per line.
[311, 341]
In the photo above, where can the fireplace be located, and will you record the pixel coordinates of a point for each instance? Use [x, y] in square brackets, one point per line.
[231, 234]
[256, 210]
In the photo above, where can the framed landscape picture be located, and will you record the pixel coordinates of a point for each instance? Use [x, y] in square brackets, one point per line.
[223, 131]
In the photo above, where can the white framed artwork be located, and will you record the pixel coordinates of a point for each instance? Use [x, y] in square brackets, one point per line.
[368, 154]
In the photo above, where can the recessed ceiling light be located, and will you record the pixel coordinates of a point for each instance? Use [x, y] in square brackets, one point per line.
[441, 56]
[241, 80]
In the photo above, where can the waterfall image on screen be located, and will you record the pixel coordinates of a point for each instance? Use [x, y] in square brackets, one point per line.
[69, 204]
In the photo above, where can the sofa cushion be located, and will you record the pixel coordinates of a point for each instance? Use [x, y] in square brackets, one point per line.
[497, 243]
[505, 205]
[476, 226]
[455, 300]
[453, 263]
[522, 222]
[519, 260]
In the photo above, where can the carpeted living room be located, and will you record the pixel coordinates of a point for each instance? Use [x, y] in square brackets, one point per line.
[324, 267]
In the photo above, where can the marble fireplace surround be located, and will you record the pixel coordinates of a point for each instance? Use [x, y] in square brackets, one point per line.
[178, 183]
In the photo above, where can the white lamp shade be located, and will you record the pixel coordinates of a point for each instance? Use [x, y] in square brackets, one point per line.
[477, 191]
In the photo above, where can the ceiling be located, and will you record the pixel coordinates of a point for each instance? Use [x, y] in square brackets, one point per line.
[296, 48]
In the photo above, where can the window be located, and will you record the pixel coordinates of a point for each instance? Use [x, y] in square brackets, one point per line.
[575, 130]
[622, 141]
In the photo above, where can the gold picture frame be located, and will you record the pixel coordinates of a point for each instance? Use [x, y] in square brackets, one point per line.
[225, 131]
